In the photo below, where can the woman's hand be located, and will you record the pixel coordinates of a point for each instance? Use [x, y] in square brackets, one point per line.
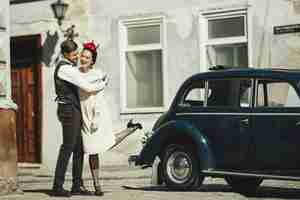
[94, 127]
[106, 80]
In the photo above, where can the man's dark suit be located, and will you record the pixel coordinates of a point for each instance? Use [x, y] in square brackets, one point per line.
[69, 115]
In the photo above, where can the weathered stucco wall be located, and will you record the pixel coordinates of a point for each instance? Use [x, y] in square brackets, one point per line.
[98, 20]
[4, 51]
[275, 50]
[8, 152]
[8, 146]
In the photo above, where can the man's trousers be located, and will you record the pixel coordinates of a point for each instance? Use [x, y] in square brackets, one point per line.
[70, 119]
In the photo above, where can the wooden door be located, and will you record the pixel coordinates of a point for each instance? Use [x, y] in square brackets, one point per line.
[26, 86]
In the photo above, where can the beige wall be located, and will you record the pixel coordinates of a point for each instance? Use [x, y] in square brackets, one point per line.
[98, 20]
[4, 51]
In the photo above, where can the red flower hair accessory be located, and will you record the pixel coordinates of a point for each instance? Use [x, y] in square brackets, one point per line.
[91, 46]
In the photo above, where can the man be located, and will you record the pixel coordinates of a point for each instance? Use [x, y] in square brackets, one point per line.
[67, 80]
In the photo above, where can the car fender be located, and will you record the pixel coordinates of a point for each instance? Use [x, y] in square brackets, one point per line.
[162, 135]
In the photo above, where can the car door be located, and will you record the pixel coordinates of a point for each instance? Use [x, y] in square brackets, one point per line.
[276, 125]
[223, 116]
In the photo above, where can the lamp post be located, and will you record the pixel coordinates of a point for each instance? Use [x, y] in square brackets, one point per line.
[59, 9]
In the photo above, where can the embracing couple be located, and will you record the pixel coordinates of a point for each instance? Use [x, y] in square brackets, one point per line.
[84, 116]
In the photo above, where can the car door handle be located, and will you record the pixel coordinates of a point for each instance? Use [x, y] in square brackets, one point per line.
[298, 123]
[245, 121]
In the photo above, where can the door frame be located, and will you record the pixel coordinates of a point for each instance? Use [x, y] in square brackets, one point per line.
[37, 65]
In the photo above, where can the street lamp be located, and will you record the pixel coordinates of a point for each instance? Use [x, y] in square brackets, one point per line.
[59, 8]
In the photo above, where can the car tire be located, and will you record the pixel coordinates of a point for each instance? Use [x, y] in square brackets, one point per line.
[243, 184]
[180, 168]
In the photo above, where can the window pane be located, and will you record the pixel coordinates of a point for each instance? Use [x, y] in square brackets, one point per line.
[228, 55]
[143, 35]
[260, 98]
[277, 94]
[196, 95]
[2, 21]
[3, 79]
[144, 79]
[229, 93]
[245, 93]
[228, 27]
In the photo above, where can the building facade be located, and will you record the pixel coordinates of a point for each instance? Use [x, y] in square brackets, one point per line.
[4, 51]
[148, 48]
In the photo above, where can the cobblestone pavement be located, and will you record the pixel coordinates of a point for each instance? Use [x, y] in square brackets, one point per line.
[135, 185]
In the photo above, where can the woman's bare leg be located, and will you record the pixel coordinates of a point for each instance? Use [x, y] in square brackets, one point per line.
[94, 166]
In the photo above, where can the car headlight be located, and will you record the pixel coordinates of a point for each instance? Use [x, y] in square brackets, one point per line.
[147, 136]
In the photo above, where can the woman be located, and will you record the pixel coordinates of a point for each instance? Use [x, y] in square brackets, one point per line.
[97, 132]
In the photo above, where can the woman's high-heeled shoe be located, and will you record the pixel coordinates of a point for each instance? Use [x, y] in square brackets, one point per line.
[130, 124]
[98, 191]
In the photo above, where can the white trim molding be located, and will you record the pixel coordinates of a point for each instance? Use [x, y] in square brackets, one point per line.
[204, 40]
[124, 47]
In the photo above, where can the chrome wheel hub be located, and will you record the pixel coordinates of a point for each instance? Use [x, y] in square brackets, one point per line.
[179, 167]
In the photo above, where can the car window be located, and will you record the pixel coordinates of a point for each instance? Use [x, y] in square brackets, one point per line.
[195, 94]
[229, 93]
[273, 93]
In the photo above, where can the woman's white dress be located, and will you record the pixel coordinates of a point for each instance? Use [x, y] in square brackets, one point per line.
[97, 135]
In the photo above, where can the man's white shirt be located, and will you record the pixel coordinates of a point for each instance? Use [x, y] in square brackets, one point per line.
[72, 74]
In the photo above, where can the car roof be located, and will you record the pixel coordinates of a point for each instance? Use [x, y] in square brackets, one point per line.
[277, 73]
[281, 74]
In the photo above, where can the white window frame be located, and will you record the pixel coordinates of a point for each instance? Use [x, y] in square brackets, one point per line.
[204, 17]
[124, 47]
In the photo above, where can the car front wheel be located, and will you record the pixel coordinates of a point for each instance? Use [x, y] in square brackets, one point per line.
[243, 184]
[180, 168]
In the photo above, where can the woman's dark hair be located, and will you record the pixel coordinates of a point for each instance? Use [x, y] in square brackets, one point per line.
[68, 46]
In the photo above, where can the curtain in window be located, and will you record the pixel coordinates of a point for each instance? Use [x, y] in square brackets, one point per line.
[144, 79]
[228, 55]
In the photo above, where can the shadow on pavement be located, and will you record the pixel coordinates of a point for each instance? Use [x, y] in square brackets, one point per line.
[203, 188]
[44, 191]
[262, 192]
[275, 192]
[49, 192]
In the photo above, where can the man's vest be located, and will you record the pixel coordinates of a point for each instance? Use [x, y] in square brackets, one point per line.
[66, 92]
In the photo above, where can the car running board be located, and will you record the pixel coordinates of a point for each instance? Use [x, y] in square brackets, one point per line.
[265, 176]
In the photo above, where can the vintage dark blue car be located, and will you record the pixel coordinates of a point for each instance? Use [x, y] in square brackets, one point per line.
[242, 124]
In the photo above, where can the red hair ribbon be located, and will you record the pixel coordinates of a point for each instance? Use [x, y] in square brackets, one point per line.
[90, 46]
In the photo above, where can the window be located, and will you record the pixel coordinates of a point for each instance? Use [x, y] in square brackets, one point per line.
[224, 39]
[226, 27]
[142, 65]
[229, 93]
[272, 93]
[195, 95]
